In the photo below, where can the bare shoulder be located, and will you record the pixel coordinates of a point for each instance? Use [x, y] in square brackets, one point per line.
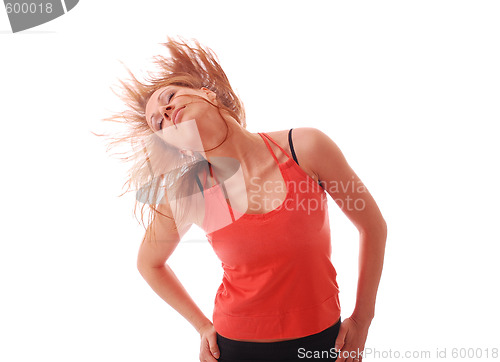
[304, 140]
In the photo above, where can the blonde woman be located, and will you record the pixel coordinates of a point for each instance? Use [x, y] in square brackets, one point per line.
[261, 198]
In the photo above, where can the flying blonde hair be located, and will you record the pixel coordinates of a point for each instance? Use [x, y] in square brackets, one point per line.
[191, 66]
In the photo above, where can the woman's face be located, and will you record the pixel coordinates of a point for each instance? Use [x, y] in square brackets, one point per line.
[181, 116]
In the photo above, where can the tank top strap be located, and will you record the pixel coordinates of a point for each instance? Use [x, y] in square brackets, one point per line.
[269, 147]
[226, 195]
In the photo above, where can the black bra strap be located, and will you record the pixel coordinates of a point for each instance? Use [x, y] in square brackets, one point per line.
[291, 145]
[200, 186]
[293, 151]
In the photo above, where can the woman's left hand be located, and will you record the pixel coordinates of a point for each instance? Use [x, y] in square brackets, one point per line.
[351, 340]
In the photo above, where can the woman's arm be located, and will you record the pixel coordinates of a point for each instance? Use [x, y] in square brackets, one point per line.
[151, 263]
[165, 283]
[325, 159]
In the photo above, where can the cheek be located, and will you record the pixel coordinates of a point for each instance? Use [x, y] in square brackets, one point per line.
[204, 116]
[201, 105]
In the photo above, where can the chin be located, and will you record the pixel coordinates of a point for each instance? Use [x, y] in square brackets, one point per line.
[184, 135]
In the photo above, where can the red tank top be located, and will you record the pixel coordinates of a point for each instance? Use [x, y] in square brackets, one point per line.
[279, 281]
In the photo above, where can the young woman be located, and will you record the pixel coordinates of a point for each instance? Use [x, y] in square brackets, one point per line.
[261, 198]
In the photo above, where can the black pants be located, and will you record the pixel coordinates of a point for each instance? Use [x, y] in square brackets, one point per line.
[314, 348]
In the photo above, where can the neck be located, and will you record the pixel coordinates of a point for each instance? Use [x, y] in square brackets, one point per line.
[240, 145]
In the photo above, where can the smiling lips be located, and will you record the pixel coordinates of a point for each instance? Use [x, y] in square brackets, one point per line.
[176, 116]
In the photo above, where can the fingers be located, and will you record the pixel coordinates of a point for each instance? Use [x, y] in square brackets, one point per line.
[207, 359]
[214, 348]
[206, 356]
[344, 344]
[349, 354]
[209, 350]
[339, 342]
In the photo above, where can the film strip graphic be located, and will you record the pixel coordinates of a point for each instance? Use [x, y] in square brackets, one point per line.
[27, 14]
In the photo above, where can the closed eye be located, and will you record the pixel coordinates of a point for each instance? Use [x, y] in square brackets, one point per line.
[170, 96]
[169, 99]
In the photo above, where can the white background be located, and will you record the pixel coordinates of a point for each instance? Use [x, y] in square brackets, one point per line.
[409, 90]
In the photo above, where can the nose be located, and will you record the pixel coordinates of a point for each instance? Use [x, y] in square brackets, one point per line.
[166, 112]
